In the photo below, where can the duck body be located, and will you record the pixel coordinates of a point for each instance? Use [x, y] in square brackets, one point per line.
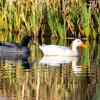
[13, 51]
[56, 50]
[10, 49]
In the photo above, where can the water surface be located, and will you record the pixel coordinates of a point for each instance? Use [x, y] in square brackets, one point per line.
[51, 78]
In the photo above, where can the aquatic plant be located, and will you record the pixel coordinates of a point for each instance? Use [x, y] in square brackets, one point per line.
[59, 18]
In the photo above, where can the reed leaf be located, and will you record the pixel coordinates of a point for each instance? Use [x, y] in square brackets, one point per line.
[86, 19]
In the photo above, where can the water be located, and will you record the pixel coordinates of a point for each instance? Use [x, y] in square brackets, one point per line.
[52, 78]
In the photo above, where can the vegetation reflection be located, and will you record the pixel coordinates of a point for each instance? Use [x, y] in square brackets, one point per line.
[29, 78]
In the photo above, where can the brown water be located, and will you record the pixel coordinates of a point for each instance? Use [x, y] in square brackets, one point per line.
[52, 78]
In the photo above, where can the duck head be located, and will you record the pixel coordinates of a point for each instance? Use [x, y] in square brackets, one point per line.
[26, 40]
[78, 43]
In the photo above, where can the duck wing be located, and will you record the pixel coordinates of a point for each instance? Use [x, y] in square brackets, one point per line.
[10, 44]
[54, 49]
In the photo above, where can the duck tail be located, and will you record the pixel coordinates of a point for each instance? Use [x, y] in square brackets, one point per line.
[40, 47]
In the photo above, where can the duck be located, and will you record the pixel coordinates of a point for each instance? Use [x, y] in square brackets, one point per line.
[15, 50]
[56, 50]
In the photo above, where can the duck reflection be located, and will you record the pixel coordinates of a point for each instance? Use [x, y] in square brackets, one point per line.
[13, 58]
[74, 81]
[16, 70]
[60, 61]
[25, 63]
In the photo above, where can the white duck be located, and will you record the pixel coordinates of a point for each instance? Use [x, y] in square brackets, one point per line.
[56, 50]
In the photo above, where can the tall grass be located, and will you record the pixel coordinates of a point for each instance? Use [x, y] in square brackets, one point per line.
[58, 18]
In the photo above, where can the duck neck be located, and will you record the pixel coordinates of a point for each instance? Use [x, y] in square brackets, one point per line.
[25, 44]
[25, 40]
[75, 49]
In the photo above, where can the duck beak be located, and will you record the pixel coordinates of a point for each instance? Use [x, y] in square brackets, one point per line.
[83, 45]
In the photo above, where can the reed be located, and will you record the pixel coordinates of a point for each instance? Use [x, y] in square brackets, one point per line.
[58, 18]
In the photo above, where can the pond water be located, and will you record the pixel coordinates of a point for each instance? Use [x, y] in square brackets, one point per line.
[51, 78]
